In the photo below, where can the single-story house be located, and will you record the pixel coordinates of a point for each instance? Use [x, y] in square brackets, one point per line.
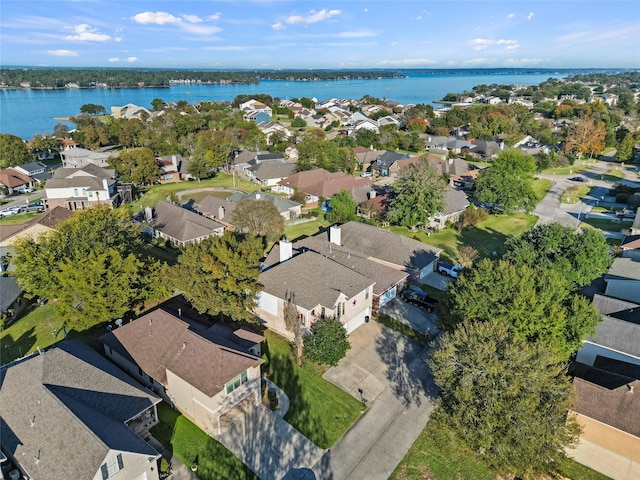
[386, 164]
[13, 180]
[35, 227]
[623, 278]
[131, 111]
[203, 371]
[36, 170]
[69, 413]
[216, 208]
[456, 202]
[365, 156]
[269, 173]
[287, 208]
[319, 183]
[181, 226]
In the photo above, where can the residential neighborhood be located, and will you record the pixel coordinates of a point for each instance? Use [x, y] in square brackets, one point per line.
[236, 304]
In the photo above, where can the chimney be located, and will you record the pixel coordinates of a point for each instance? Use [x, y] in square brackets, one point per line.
[257, 195]
[372, 194]
[220, 212]
[148, 214]
[334, 235]
[174, 160]
[286, 250]
[630, 387]
[105, 184]
[179, 312]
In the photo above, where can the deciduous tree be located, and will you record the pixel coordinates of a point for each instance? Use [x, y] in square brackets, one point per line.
[328, 342]
[419, 193]
[293, 324]
[258, 217]
[13, 151]
[507, 182]
[137, 165]
[219, 275]
[585, 136]
[505, 397]
[343, 208]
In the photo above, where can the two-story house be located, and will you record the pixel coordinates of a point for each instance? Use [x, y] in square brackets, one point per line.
[81, 188]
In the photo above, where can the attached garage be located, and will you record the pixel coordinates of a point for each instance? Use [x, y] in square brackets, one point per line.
[358, 320]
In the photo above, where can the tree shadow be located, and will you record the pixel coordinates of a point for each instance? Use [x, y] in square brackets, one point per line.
[407, 373]
[486, 241]
[11, 350]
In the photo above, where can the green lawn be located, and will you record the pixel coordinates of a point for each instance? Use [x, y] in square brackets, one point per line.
[604, 224]
[541, 187]
[160, 192]
[568, 170]
[301, 230]
[192, 445]
[487, 237]
[319, 410]
[574, 193]
[17, 219]
[438, 455]
[40, 328]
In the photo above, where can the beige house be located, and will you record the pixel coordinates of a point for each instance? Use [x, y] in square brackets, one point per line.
[205, 371]
[181, 226]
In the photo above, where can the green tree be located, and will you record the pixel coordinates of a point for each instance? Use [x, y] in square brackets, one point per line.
[60, 130]
[328, 342]
[258, 217]
[157, 104]
[137, 165]
[343, 208]
[293, 325]
[199, 168]
[92, 109]
[44, 144]
[92, 265]
[624, 153]
[579, 256]
[506, 398]
[507, 182]
[219, 275]
[13, 151]
[419, 194]
[585, 136]
[537, 304]
[298, 122]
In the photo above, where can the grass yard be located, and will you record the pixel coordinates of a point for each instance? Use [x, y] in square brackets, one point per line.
[40, 328]
[487, 237]
[438, 455]
[319, 410]
[18, 219]
[604, 224]
[160, 192]
[541, 187]
[574, 193]
[568, 170]
[301, 230]
[192, 445]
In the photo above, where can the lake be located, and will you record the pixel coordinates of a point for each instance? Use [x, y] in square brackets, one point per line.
[28, 112]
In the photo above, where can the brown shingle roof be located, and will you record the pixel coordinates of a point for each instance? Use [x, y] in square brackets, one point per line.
[159, 342]
[182, 224]
[10, 177]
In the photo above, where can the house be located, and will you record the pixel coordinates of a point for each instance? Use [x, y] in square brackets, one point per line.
[256, 106]
[606, 381]
[320, 287]
[271, 128]
[396, 251]
[461, 173]
[319, 183]
[289, 209]
[216, 208]
[268, 174]
[174, 168]
[36, 170]
[386, 164]
[204, 371]
[13, 180]
[632, 241]
[258, 116]
[44, 223]
[181, 226]
[83, 187]
[366, 156]
[623, 278]
[388, 120]
[131, 111]
[77, 157]
[485, 150]
[69, 413]
[456, 202]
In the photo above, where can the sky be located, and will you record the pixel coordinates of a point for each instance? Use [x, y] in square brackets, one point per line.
[305, 34]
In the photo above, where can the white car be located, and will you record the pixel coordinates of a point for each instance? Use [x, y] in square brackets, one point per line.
[9, 212]
[24, 190]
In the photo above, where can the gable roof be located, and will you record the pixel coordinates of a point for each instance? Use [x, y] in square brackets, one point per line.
[182, 224]
[281, 204]
[10, 177]
[88, 176]
[160, 341]
[315, 280]
[34, 227]
[625, 267]
[63, 410]
[455, 201]
[321, 183]
[620, 327]
[387, 246]
[273, 169]
[389, 158]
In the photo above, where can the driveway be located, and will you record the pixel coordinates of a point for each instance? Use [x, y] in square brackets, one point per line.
[415, 317]
[397, 387]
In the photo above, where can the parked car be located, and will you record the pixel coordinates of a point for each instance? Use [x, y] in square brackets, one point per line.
[577, 179]
[419, 298]
[24, 190]
[366, 174]
[34, 207]
[8, 212]
[449, 270]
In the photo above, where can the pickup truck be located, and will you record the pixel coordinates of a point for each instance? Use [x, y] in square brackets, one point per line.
[419, 298]
[449, 270]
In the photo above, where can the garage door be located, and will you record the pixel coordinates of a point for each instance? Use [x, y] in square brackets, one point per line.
[387, 296]
[358, 320]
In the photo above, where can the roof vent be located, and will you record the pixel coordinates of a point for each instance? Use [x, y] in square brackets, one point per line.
[630, 387]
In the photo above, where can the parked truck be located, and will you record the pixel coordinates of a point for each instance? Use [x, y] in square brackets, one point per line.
[448, 269]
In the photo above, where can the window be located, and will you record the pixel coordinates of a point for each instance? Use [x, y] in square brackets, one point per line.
[111, 467]
[366, 294]
[236, 382]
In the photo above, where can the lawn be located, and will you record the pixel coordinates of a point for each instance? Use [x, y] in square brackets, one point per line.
[438, 455]
[568, 170]
[487, 237]
[17, 219]
[319, 410]
[160, 192]
[541, 187]
[192, 445]
[604, 224]
[301, 230]
[40, 328]
[574, 193]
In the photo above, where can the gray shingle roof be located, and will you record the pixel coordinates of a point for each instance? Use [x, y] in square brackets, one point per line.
[159, 342]
[9, 292]
[620, 327]
[315, 280]
[182, 224]
[282, 204]
[63, 410]
[455, 201]
[273, 169]
[387, 246]
[626, 267]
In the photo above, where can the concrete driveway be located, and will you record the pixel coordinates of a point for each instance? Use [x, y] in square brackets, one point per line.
[415, 317]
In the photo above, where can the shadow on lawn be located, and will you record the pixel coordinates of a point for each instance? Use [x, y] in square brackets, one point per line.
[486, 241]
[13, 349]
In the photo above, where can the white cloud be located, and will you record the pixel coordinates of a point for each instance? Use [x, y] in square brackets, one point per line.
[530, 16]
[356, 34]
[278, 26]
[85, 33]
[132, 59]
[522, 62]
[474, 62]
[408, 62]
[419, 17]
[394, 44]
[200, 29]
[480, 44]
[192, 18]
[62, 53]
[365, 9]
[312, 17]
[118, 39]
[157, 18]
[114, 59]
[215, 17]
[511, 15]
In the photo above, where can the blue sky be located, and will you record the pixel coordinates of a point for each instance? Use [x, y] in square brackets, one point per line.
[268, 34]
